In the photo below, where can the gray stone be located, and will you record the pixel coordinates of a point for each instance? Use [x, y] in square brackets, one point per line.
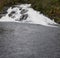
[4, 11]
[23, 11]
[20, 8]
[58, 22]
[24, 17]
[13, 12]
[1, 15]
[13, 6]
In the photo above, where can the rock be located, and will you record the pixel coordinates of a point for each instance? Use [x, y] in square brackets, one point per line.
[58, 22]
[13, 12]
[1, 15]
[4, 11]
[13, 6]
[23, 11]
[24, 17]
[20, 8]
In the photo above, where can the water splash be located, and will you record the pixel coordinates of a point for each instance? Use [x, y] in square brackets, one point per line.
[24, 13]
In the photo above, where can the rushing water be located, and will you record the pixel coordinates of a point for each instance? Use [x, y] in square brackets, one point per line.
[24, 13]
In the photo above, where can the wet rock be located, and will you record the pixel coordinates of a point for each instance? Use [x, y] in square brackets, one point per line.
[20, 8]
[13, 12]
[23, 11]
[58, 22]
[4, 11]
[13, 6]
[1, 15]
[24, 17]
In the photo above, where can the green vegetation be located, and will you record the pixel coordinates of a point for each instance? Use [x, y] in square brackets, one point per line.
[50, 8]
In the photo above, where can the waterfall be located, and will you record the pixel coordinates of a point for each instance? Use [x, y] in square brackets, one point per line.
[26, 14]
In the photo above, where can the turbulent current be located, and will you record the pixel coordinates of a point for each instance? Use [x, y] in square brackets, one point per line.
[26, 14]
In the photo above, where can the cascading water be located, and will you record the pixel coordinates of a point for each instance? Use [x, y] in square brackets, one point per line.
[24, 13]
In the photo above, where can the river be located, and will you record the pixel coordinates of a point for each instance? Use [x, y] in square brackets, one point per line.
[24, 40]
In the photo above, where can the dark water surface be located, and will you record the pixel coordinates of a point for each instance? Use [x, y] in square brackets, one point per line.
[18, 40]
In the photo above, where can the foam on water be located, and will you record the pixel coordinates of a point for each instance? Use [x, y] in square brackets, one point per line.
[24, 13]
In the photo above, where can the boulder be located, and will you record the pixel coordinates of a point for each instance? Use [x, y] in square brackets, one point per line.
[13, 12]
[24, 17]
[23, 11]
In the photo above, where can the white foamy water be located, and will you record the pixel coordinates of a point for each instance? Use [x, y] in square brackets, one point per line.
[24, 13]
